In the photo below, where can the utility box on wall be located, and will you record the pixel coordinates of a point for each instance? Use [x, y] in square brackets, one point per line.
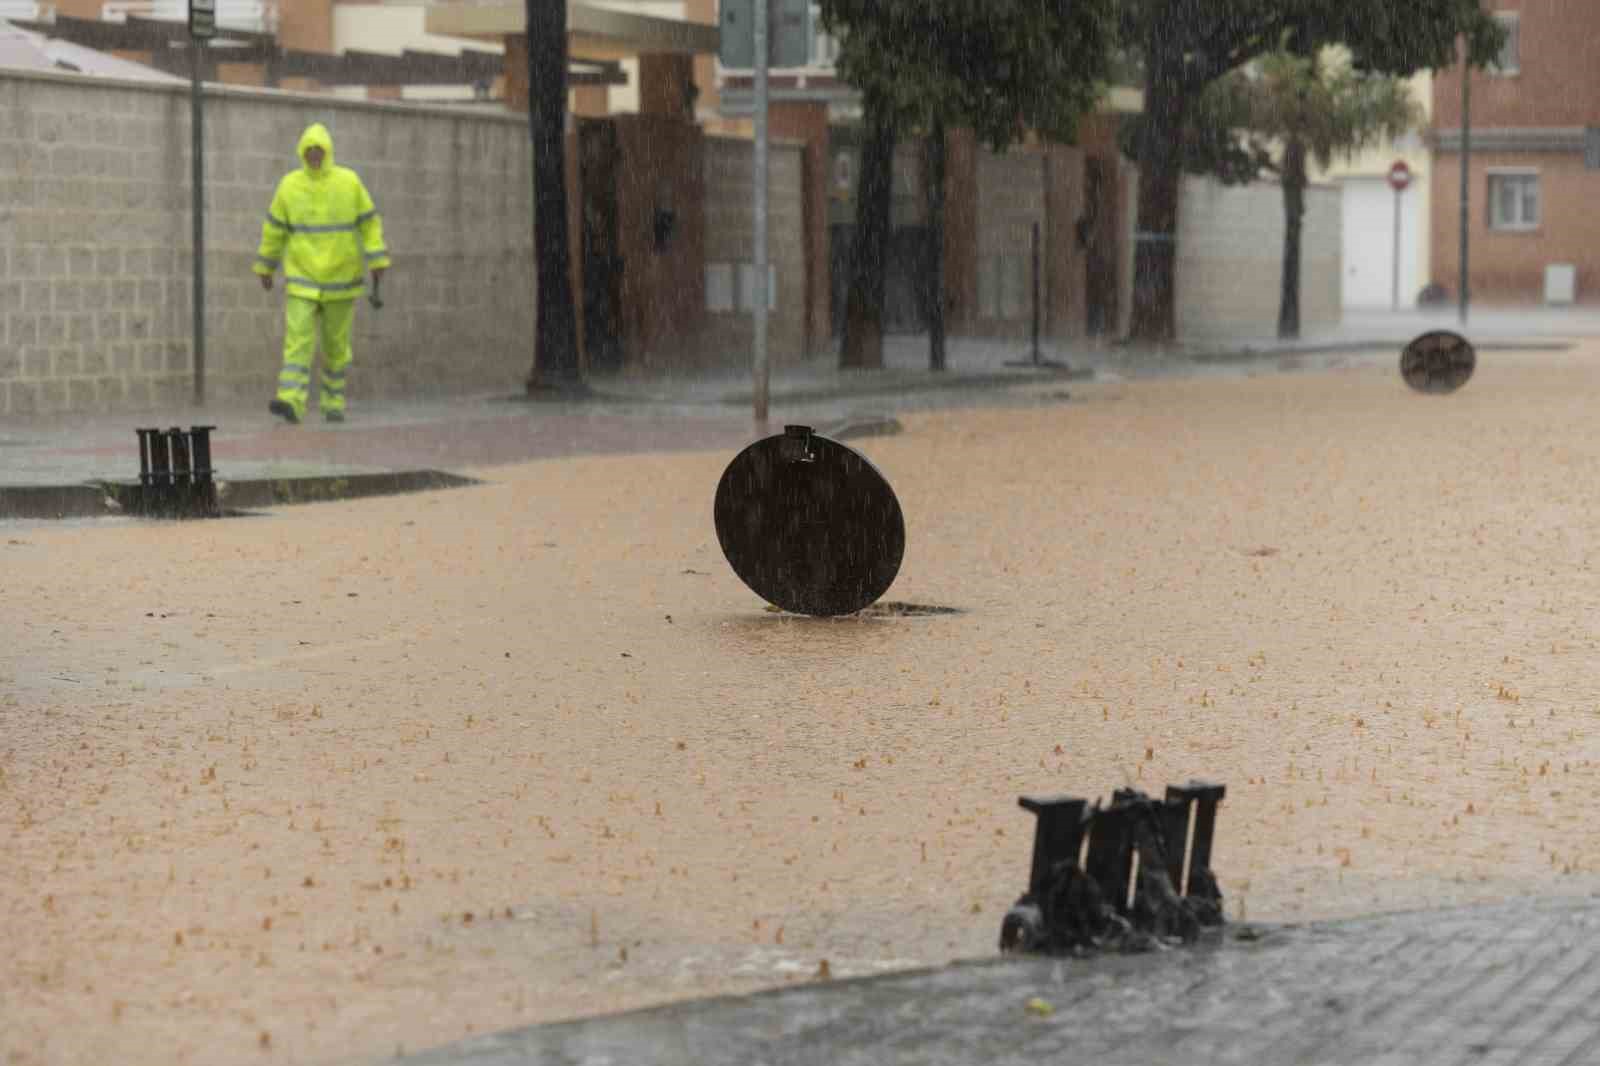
[1560, 283]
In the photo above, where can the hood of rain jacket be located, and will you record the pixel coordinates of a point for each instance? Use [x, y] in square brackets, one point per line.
[316, 136]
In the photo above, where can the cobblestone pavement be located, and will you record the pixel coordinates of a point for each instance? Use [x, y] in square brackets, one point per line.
[1499, 984]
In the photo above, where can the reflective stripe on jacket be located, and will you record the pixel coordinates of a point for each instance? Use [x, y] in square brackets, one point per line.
[322, 228]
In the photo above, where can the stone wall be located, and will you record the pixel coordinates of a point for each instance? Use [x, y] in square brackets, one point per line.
[95, 260]
[729, 221]
[1230, 260]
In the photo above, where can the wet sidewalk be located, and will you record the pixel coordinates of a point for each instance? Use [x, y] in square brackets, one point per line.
[1498, 984]
[52, 466]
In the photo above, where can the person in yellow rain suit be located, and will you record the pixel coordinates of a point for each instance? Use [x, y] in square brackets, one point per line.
[324, 231]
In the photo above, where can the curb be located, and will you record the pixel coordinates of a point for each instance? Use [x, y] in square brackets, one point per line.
[1246, 354]
[52, 501]
[101, 499]
[278, 492]
[862, 426]
[911, 381]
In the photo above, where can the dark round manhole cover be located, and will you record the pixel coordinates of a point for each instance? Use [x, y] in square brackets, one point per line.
[809, 524]
[1438, 361]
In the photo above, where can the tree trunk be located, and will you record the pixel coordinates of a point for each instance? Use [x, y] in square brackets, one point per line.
[555, 359]
[863, 316]
[935, 175]
[1154, 318]
[1294, 212]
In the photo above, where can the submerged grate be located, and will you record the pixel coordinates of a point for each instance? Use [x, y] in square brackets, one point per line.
[907, 610]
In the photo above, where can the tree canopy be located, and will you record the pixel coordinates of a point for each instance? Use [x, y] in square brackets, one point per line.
[1186, 45]
[999, 67]
[1328, 105]
[1201, 40]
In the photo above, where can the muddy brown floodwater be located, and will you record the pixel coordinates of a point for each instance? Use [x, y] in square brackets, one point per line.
[359, 777]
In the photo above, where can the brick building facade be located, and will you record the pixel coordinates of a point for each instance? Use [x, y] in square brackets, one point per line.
[1534, 168]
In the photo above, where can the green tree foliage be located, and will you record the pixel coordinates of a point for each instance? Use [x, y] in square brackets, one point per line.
[999, 67]
[1186, 45]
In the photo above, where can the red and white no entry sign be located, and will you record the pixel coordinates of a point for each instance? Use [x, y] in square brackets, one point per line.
[1399, 175]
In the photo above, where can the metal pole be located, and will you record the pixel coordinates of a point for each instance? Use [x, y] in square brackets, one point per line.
[1035, 252]
[197, 152]
[1466, 186]
[1398, 192]
[761, 370]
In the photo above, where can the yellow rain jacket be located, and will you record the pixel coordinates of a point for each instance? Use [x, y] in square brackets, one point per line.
[322, 228]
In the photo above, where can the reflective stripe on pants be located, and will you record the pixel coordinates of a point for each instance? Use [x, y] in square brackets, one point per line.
[302, 319]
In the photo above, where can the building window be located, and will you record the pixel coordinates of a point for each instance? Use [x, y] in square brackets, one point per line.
[1509, 61]
[824, 46]
[1513, 201]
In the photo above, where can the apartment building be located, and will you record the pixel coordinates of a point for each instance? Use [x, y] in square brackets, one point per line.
[354, 48]
[1533, 132]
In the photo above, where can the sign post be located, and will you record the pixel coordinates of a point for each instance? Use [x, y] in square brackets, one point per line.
[1399, 181]
[1464, 297]
[202, 27]
[762, 371]
[756, 35]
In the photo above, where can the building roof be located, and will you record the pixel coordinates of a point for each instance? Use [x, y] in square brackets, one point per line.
[168, 42]
[26, 50]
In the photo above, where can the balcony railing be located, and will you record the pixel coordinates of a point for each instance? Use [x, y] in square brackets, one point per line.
[250, 16]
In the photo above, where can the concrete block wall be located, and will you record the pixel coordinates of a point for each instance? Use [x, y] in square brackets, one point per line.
[729, 222]
[1230, 260]
[95, 262]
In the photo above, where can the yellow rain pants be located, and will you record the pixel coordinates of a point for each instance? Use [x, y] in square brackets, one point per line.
[305, 322]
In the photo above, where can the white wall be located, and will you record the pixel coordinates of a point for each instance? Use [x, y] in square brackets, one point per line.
[1230, 260]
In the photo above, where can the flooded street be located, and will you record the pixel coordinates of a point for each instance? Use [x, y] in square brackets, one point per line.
[346, 778]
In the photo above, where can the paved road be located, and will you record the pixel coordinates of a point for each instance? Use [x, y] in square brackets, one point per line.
[1502, 984]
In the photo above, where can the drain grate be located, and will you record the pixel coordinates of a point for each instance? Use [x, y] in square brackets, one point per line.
[907, 610]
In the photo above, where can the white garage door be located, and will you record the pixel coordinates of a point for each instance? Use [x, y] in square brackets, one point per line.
[1369, 243]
